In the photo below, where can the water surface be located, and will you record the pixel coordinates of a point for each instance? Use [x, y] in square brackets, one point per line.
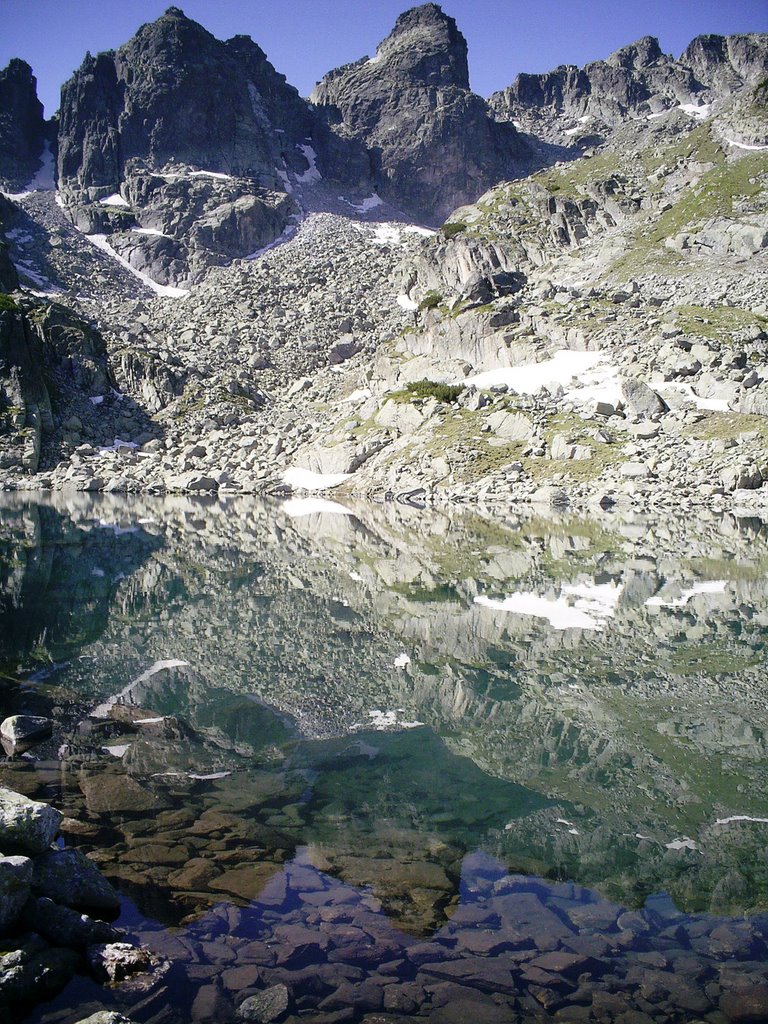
[402, 761]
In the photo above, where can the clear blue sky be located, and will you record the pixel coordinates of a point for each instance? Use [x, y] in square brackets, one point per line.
[306, 38]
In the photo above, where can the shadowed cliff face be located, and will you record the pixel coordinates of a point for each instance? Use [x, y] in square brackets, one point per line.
[22, 126]
[432, 140]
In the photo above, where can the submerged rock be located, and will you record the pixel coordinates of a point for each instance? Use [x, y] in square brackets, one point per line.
[20, 732]
[266, 1007]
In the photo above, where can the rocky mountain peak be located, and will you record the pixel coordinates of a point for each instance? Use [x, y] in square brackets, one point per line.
[641, 54]
[426, 45]
[22, 127]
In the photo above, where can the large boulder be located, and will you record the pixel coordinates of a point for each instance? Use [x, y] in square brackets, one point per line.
[26, 825]
[69, 878]
[15, 883]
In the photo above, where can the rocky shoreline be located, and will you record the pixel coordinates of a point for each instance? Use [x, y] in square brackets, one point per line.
[47, 896]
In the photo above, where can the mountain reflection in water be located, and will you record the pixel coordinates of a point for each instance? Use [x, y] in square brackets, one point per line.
[332, 743]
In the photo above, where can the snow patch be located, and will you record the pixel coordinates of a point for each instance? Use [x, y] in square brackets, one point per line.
[705, 404]
[312, 173]
[100, 241]
[580, 606]
[286, 234]
[407, 304]
[150, 231]
[117, 751]
[401, 660]
[114, 200]
[585, 376]
[44, 179]
[367, 204]
[211, 174]
[359, 396]
[117, 445]
[387, 234]
[96, 399]
[306, 480]
[696, 110]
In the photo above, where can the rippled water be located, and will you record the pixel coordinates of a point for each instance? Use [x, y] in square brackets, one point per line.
[404, 763]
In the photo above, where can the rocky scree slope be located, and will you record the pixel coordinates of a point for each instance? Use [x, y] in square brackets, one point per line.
[649, 254]
[434, 142]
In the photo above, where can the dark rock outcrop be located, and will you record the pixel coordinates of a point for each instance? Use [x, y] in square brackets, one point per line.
[22, 125]
[9, 279]
[636, 80]
[45, 350]
[193, 138]
[433, 143]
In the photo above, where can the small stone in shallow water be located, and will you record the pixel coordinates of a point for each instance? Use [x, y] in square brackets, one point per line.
[266, 1007]
[20, 732]
[114, 961]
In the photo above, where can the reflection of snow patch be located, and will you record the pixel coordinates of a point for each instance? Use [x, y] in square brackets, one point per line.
[96, 399]
[741, 817]
[209, 776]
[744, 145]
[297, 507]
[382, 720]
[705, 587]
[583, 606]
[402, 660]
[98, 573]
[681, 844]
[102, 710]
[306, 480]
